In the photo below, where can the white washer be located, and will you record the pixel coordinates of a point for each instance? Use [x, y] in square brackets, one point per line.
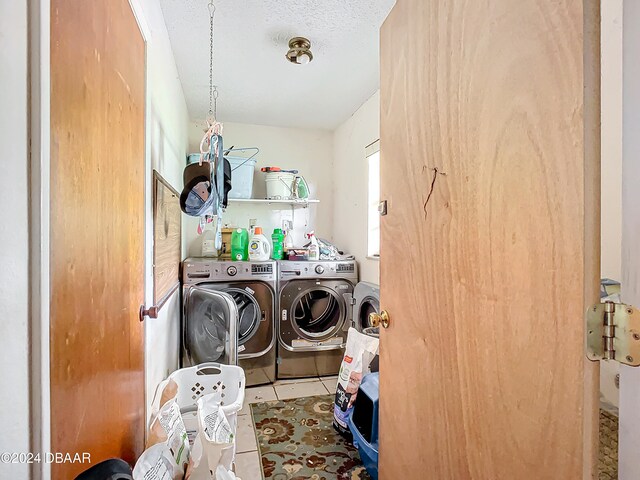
[366, 300]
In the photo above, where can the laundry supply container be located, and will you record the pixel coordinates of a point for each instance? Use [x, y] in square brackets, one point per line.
[280, 185]
[373, 332]
[242, 170]
[363, 422]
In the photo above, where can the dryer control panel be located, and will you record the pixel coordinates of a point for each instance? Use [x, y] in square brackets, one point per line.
[346, 269]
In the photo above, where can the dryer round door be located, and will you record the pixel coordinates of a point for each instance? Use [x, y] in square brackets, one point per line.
[368, 306]
[315, 312]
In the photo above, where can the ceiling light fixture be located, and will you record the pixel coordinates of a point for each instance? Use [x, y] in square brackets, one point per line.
[299, 51]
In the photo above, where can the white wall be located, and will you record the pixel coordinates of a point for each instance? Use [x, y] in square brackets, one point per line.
[611, 181]
[14, 236]
[308, 150]
[168, 122]
[629, 434]
[350, 184]
[611, 178]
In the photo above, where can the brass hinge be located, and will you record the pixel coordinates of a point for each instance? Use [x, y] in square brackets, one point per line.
[613, 333]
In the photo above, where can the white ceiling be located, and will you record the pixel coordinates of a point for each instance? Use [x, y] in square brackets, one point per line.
[256, 83]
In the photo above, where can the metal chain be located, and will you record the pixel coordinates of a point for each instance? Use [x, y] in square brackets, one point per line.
[213, 92]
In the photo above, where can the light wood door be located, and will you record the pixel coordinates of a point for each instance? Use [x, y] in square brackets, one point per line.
[97, 231]
[490, 249]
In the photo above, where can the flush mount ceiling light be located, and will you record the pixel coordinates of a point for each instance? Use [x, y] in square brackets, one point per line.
[299, 51]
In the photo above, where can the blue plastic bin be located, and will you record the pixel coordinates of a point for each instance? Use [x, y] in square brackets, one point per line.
[363, 422]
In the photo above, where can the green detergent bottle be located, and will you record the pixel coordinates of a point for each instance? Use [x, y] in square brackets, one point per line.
[240, 244]
[277, 239]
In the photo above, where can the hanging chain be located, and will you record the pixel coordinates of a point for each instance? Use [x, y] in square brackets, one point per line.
[213, 91]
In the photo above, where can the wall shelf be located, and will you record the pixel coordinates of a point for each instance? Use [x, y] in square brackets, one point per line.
[264, 201]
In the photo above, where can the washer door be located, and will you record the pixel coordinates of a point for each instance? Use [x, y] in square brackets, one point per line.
[315, 314]
[210, 329]
[249, 313]
[255, 302]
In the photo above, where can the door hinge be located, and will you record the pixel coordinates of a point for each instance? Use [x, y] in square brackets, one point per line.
[382, 208]
[613, 333]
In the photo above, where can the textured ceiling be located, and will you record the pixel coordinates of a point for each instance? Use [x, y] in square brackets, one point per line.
[256, 83]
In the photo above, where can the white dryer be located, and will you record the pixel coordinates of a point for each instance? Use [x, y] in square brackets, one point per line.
[366, 300]
[314, 315]
[252, 289]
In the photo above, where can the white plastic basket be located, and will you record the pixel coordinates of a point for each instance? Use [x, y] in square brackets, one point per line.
[224, 382]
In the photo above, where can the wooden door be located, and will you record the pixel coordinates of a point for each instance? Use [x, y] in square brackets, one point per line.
[97, 231]
[490, 249]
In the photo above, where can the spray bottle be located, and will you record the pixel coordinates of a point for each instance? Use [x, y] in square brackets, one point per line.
[314, 247]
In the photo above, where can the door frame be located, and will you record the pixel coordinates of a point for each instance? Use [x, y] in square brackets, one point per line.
[39, 167]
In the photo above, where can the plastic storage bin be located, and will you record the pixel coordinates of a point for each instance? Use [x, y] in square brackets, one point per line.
[242, 169]
[241, 177]
[363, 423]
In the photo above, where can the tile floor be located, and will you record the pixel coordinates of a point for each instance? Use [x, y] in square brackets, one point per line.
[247, 457]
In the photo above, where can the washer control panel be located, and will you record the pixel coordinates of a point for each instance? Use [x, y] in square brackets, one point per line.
[201, 270]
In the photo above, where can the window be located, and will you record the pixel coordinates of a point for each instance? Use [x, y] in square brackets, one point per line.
[373, 225]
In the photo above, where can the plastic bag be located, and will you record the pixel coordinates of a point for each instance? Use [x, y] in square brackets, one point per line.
[157, 463]
[167, 451]
[165, 391]
[216, 433]
[224, 474]
[360, 351]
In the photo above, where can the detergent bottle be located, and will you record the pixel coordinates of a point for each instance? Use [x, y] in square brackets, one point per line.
[240, 244]
[259, 246]
[277, 239]
[209, 241]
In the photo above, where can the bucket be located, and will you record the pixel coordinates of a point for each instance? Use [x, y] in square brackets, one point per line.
[280, 185]
[241, 177]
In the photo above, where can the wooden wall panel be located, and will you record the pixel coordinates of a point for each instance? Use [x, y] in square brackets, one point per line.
[490, 249]
[97, 231]
[167, 239]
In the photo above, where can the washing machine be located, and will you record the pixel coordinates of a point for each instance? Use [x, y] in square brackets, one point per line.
[314, 314]
[252, 288]
[366, 300]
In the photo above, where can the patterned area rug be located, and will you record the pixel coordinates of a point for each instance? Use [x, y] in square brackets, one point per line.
[608, 455]
[297, 441]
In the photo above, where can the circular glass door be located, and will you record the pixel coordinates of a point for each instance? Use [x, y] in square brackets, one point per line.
[249, 313]
[318, 313]
[207, 330]
[369, 305]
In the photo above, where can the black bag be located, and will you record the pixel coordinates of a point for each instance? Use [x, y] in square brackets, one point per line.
[227, 182]
[112, 469]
